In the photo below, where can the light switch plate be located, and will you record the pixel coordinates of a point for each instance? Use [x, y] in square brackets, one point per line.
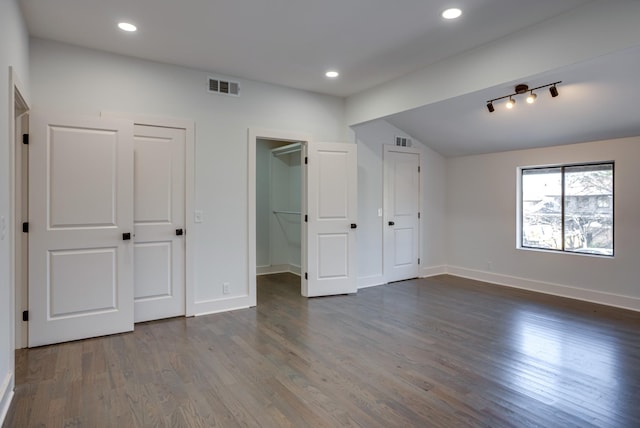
[198, 216]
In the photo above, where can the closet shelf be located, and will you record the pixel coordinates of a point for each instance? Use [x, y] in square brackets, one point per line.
[287, 212]
[288, 149]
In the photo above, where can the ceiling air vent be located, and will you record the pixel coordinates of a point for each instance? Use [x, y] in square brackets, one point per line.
[403, 141]
[225, 87]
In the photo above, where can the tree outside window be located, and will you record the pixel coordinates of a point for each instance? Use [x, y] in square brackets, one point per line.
[568, 208]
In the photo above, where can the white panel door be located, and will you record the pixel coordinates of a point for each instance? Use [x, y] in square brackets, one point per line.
[331, 186]
[401, 220]
[81, 205]
[159, 212]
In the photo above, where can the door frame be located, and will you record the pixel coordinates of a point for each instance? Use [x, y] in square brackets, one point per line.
[386, 148]
[253, 134]
[18, 99]
[189, 207]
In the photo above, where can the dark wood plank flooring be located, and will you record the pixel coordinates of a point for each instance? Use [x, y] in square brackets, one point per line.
[437, 352]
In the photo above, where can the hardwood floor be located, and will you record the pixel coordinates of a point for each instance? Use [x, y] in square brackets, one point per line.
[437, 352]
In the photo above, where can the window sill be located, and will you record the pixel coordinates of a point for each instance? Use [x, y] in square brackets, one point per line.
[570, 253]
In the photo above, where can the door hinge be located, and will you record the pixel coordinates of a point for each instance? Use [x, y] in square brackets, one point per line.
[418, 261]
[418, 169]
[418, 214]
[306, 276]
[25, 315]
[306, 160]
[306, 218]
[25, 138]
[25, 227]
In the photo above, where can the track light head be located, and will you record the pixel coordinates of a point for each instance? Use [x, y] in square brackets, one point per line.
[511, 103]
[554, 91]
[531, 98]
[490, 107]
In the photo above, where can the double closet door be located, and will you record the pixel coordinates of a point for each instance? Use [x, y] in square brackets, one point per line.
[106, 218]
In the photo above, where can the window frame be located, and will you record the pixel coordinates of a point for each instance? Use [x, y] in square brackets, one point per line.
[562, 168]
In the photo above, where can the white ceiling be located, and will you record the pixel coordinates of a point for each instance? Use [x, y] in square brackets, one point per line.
[289, 42]
[293, 42]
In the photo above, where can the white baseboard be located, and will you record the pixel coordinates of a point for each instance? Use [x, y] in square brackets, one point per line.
[370, 281]
[6, 395]
[375, 280]
[426, 272]
[296, 270]
[222, 305]
[268, 270]
[609, 299]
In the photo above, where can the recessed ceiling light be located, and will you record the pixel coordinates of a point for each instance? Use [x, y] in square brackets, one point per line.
[452, 13]
[332, 74]
[125, 26]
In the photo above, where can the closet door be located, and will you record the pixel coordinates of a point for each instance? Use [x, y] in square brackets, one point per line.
[401, 213]
[80, 228]
[331, 186]
[159, 217]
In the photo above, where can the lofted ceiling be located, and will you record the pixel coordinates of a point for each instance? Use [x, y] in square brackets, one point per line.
[293, 42]
[597, 100]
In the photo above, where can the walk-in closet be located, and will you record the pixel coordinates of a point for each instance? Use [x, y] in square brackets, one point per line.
[278, 206]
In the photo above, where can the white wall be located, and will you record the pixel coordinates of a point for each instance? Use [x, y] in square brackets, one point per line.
[14, 47]
[371, 137]
[481, 225]
[78, 80]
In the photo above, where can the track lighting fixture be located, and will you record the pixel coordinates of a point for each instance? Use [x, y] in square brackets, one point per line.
[523, 89]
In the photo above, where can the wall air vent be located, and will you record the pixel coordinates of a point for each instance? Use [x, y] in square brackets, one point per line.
[224, 87]
[403, 141]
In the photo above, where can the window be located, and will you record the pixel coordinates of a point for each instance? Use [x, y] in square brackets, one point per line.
[568, 208]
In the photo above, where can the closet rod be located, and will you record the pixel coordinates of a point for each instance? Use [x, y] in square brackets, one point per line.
[285, 150]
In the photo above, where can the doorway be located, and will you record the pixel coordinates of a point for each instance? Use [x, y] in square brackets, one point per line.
[329, 208]
[278, 207]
